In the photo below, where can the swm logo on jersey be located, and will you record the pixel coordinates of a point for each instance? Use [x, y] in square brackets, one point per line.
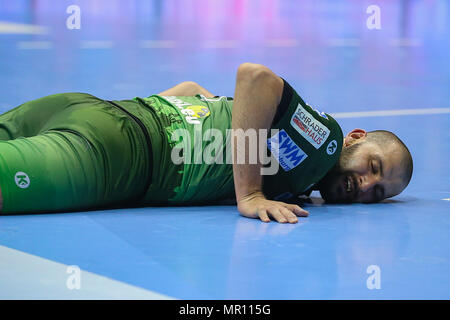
[22, 180]
[309, 128]
[284, 149]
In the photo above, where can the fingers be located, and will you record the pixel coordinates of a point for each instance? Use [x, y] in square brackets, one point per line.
[289, 215]
[273, 212]
[277, 215]
[297, 210]
[281, 214]
[278, 211]
[262, 214]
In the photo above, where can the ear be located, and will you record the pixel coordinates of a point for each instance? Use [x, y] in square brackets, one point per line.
[354, 136]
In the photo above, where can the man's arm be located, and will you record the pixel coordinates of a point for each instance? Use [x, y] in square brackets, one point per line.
[187, 88]
[257, 95]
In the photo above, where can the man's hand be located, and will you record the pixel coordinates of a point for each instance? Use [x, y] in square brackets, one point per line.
[257, 206]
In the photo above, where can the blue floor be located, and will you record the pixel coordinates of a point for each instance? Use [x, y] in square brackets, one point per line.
[324, 49]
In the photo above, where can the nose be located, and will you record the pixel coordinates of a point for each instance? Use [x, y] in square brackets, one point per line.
[367, 182]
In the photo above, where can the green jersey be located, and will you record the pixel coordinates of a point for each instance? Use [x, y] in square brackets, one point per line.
[191, 142]
[194, 148]
[307, 146]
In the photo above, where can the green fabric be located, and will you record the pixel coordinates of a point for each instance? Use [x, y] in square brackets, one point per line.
[313, 134]
[201, 182]
[69, 152]
[189, 182]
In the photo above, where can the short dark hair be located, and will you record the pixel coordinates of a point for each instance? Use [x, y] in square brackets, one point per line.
[382, 137]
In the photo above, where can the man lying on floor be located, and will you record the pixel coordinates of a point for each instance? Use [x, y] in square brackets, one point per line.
[73, 151]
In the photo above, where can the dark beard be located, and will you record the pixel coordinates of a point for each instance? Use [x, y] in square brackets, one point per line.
[329, 186]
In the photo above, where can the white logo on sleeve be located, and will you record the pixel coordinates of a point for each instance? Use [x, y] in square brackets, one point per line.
[22, 180]
[331, 148]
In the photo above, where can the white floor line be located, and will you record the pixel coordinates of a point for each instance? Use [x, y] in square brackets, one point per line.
[34, 45]
[405, 42]
[96, 44]
[389, 113]
[29, 277]
[446, 199]
[19, 28]
[217, 44]
[285, 43]
[343, 42]
[157, 44]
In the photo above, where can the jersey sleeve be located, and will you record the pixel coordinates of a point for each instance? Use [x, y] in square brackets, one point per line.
[286, 98]
[306, 145]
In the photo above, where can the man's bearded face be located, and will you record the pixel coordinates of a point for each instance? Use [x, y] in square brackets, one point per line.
[340, 183]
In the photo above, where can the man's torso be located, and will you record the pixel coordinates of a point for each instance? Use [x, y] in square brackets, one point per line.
[192, 150]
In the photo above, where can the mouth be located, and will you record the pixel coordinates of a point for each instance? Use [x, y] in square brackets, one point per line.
[350, 187]
[348, 184]
[345, 191]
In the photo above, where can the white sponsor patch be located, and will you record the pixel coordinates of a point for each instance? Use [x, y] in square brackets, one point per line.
[284, 149]
[309, 128]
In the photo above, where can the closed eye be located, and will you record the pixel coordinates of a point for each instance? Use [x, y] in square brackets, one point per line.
[374, 166]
